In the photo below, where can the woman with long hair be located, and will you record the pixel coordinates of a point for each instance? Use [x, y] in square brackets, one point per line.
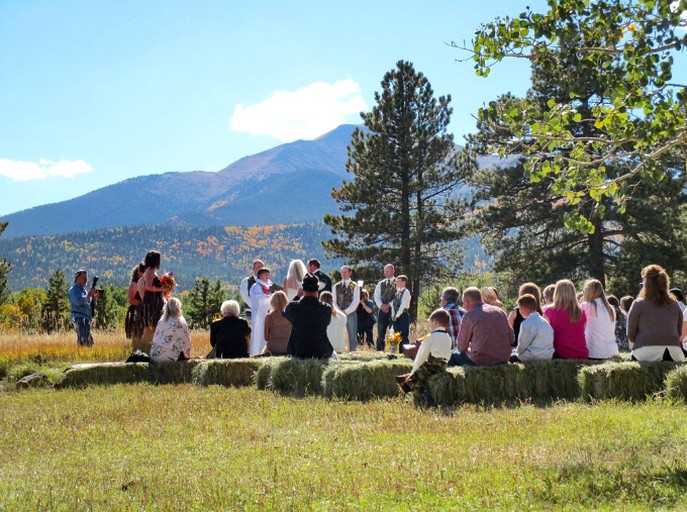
[654, 322]
[133, 324]
[599, 333]
[277, 327]
[294, 279]
[152, 295]
[568, 322]
[337, 326]
[172, 339]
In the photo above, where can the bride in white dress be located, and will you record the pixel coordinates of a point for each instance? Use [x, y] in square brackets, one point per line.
[294, 278]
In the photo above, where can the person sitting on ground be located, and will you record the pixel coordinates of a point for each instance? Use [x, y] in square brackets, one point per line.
[535, 340]
[277, 327]
[309, 319]
[654, 322]
[337, 327]
[172, 338]
[432, 356]
[599, 333]
[230, 335]
[568, 322]
[485, 337]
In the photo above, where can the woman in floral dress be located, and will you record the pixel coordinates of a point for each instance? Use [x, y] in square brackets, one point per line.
[172, 340]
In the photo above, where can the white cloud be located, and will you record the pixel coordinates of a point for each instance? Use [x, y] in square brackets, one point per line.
[18, 170]
[302, 114]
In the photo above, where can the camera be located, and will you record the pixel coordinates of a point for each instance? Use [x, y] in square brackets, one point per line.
[94, 283]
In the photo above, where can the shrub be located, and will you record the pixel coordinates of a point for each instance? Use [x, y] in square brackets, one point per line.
[297, 377]
[226, 372]
[676, 383]
[625, 381]
[363, 380]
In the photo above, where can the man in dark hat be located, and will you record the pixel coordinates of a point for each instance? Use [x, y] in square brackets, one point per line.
[309, 319]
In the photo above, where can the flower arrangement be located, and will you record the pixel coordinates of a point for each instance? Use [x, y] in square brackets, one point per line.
[393, 340]
[167, 281]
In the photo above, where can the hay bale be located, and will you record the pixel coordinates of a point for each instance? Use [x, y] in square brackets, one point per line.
[264, 372]
[447, 388]
[363, 380]
[226, 372]
[676, 383]
[624, 381]
[556, 379]
[180, 372]
[100, 374]
[495, 384]
[369, 355]
[297, 377]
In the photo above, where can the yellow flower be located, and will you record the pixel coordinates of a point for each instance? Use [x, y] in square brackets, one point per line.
[632, 27]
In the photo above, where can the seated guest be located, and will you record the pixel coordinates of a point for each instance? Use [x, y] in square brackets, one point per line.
[277, 327]
[449, 302]
[230, 335]
[654, 322]
[172, 339]
[620, 323]
[485, 335]
[432, 356]
[568, 322]
[309, 319]
[547, 296]
[337, 327]
[515, 318]
[535, 340]
[599, 333]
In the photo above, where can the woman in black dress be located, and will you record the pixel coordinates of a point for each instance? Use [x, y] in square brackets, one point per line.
[230, 335]
[153, 297]
[133, 325]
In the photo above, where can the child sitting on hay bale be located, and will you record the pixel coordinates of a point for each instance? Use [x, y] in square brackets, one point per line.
[432, 356]
[535, 339]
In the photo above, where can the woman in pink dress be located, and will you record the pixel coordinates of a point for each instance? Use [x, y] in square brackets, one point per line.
[568, 322]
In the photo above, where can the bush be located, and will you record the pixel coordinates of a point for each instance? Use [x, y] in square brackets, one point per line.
[297, 377]
[363, 381]
[624, 381]
[676, 383]
[226, 372]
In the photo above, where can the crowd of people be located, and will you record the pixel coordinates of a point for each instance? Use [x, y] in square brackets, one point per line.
[311, 317]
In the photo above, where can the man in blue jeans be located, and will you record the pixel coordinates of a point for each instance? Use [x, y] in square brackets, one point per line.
[80, 306]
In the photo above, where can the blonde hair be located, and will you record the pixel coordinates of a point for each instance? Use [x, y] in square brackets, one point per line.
[489, 296]
[565, 298]
[172, 308]
[297, 272]
[278, 301]
[593, 289]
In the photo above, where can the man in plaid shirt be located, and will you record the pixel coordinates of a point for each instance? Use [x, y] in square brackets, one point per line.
[449, 302]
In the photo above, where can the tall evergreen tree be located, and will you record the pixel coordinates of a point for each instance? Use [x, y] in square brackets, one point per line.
[56, 306]
[203, 302]
[5, 268]
[400, 207]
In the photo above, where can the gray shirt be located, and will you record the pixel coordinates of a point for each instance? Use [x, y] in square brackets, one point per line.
[535, 340]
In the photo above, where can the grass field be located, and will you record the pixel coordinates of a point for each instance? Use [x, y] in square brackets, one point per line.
[190, 448]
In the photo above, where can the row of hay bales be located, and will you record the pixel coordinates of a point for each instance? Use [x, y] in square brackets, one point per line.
[370, 375]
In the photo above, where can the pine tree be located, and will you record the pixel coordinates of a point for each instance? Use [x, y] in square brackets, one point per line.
[5, 268]
[56, 306]
[203, 302]
[401, 205]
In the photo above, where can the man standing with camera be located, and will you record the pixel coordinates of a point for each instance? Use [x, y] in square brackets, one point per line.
[81, 302]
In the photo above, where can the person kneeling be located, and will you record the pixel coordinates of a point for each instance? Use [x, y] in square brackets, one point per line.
[432, 356]
[535, 339]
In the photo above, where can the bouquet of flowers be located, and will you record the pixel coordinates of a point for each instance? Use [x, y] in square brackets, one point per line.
[393, 340]
[167, 281]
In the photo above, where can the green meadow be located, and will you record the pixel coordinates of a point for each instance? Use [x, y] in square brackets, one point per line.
[186, 447]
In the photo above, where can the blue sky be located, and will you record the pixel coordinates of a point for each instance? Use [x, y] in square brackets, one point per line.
[92, 93]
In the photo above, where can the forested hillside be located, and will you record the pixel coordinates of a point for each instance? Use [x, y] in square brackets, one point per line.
[218, 252]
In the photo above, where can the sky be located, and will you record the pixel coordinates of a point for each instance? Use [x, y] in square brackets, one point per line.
[93, 93]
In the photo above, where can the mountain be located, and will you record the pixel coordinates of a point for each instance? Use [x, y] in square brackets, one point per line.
[291, 182]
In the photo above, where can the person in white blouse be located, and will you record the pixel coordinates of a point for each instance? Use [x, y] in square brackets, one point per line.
[346, 296]
[399, 308]
[599, 332]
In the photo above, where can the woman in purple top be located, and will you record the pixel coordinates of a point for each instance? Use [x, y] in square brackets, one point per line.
[568, 322]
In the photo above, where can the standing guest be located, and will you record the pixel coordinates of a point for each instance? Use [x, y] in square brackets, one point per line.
[152, 295]
[309, 319]
[259, 304]
[230, 335]
[80, 302]
[384, 293]
[449, 302]
[133, 324]
[654, 322]
[325, 282]
[172, 339]
[515, 318]
[337, 326]
[366, 319]
[277, 327]
[399, 309]
[535, 341]
[568, 322]
[599, 333]
[346, 298]
[294, 278]
[547, 296]
[247, 284]
[620, 323]
[485, 336]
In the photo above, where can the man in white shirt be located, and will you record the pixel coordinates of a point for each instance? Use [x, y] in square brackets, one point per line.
[346, 296]
[399, 308]
[246, 284]
[385, 291]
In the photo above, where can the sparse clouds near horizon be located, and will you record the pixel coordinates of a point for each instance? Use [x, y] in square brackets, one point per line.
[18, 170]
[302, 114]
